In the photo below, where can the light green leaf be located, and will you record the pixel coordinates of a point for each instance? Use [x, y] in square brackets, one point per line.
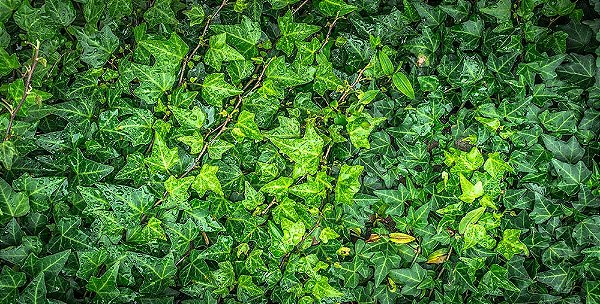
[305, 152]
[215, 89]
[470, 192]
[162, 158]
[511, 245]
[347, 183]
[207, 180]
[246, 127]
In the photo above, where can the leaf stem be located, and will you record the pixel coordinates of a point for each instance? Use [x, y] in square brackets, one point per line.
[26, 90]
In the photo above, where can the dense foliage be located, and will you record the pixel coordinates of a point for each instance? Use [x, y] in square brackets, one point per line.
[288, 151]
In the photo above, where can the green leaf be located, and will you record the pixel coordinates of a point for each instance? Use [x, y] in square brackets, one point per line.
[160, 13]
[323, 290]
[305, 152]
[87, 171]
[35, 291]
[470, 192]
[247, 290]
[335, 7]
[158, 272]
[220, 52]
[105, 287]
[246, 127]
[207, 180]
[7, 62]
[570, 151]
[470, 218]
[571, 176]
[15, 204]
[292, 32]
[495, 279]
[192, 120]
[561, 278]
[383, 264]
[496, 166]
[97, 46]
[347, 184]
[410, 278]
[10, 281]
[215, 89]
[129, 204]
[360, 127]
[243, 36]
[510, 244]
[162, 158]
[195, 14]
[403, 85]
[167, 53]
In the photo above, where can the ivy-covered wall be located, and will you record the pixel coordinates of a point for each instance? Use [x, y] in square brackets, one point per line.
[299, 151]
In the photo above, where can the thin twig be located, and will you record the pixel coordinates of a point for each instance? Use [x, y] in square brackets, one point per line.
[356, 81]
[294, 11]
[271, 204]
[331, 26]
[187, 59]
[26, 90]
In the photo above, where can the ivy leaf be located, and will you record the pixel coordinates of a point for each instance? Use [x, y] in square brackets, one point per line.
[220, 52]
[305, 152]
[360, 127]
[162, 158]
[510, 244]
[383, 264]
[196, 14]
[215, 89]
[347, 183]
[12, 203]
[207, 180]
[7, 62]
[105, 286]
[244, 36]
[129, 204]
[160, 12]
[167, 53]
[571, 176]
[35, 291]
[158, 272]
[246, 127]
[335, 7]
[10, 281]
[470, 192]
[87, 171]
[292, 32]
[561, 278]
[570, 151]
[97, 46]
[410, 278]
[495, 279]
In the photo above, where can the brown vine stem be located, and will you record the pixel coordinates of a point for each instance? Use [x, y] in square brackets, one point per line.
[187, 59]
[221, 129]
[294, 11]
[26, 90]
[331, 26]
[358, 79]
[271, 204]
